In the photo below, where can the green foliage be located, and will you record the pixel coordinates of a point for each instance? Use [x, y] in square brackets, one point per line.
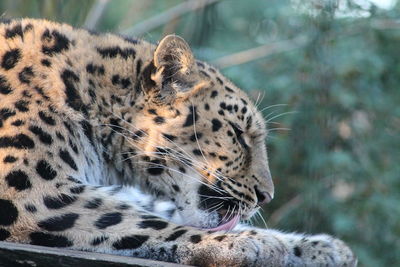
[336, 170]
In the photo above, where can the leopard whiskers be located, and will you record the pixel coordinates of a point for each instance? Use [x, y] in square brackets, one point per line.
[248, 222]
[214, 197]
[194, 162]
[195, 134]
[143, 132]
[232, 213]
[160, 165]
[227, 215]
[279, 129]
[219, 205]
[258, 213]
[214, 208]
[272, 106]
[259, 99]
[128, 138]
[269, 119]
[140, 138]
[153, 143]
[147, 164]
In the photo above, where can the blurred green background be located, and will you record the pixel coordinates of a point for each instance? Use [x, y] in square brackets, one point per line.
[327, 76]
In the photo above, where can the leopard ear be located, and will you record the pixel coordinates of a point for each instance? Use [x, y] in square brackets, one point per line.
[175, 59]
[172, 75]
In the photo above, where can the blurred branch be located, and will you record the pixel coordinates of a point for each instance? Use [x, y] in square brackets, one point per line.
[166, 16]
[259, 52]
[95, 14]
[277, 215]
[385, 24]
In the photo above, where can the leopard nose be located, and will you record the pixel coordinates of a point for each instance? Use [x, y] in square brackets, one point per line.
[262, 197]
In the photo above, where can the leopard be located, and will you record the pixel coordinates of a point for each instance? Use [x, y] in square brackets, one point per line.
[115, 145]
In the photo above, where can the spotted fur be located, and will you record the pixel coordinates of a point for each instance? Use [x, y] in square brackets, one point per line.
[116, 145]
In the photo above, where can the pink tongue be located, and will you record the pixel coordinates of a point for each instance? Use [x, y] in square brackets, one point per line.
[229, 225]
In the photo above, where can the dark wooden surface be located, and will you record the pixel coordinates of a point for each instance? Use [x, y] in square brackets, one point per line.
[16, 255]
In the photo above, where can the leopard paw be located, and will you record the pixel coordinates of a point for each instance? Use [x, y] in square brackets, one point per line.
[322, 250]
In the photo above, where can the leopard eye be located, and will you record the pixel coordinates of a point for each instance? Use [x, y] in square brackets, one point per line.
[239, 133]
[236, 128]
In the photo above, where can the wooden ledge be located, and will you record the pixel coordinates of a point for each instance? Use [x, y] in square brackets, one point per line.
[13, 255]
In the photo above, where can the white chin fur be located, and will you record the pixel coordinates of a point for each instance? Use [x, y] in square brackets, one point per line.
[190, 216]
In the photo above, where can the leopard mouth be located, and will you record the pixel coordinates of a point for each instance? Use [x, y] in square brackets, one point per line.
[227, 221]
[228, 225]
[219, 205]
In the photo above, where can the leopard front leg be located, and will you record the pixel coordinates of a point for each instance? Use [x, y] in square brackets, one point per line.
[101, 219]
[309, 250]
[247, 248]
[320, 250]
[260, 247]
[89, 218]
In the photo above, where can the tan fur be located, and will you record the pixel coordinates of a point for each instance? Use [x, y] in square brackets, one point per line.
[81, 113]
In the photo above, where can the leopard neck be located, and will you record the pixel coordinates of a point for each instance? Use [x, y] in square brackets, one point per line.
[111, 87]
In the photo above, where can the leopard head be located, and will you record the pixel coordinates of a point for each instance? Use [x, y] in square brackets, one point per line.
[199, 140]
